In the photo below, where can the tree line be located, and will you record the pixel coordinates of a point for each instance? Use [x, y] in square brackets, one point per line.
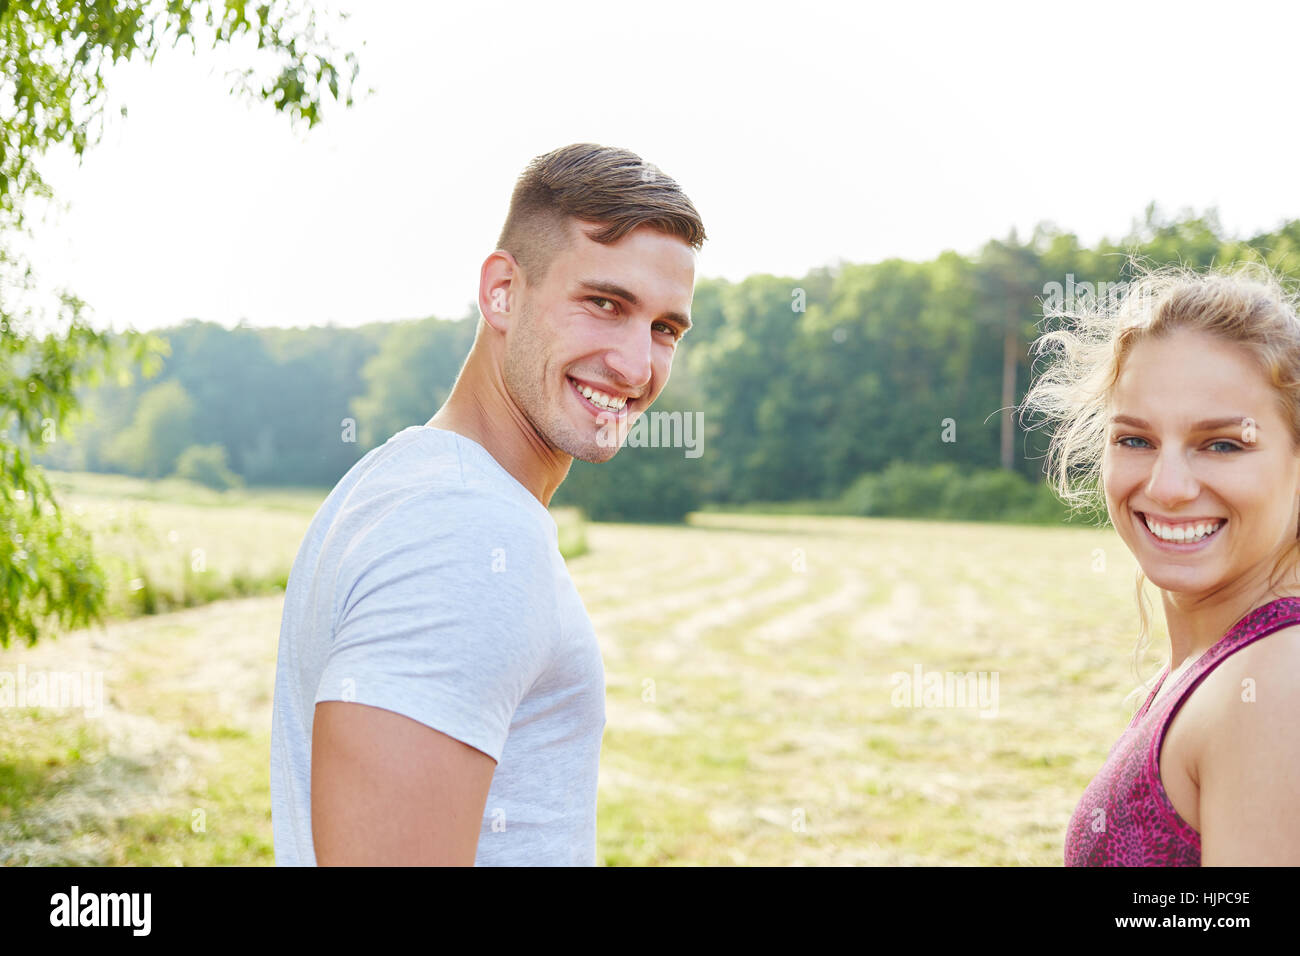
[795, 387]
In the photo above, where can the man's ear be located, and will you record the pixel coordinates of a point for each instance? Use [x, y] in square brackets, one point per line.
[499, 287]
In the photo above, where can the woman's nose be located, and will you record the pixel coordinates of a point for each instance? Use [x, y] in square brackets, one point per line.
[1172, 480]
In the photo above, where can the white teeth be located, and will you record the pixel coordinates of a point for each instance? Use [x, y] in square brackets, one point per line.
[1183, 534]
[600, 398]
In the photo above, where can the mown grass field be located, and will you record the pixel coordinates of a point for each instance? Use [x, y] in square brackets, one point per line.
[750, 695]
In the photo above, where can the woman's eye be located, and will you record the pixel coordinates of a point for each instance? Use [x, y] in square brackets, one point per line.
[1222, 446]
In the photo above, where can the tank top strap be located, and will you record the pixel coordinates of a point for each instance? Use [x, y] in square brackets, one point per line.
[1259, 623]
[1141, 826]
[1254, 625]
[1142, 711]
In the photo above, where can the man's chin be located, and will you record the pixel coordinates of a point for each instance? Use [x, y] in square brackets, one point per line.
[595, 453]
[597, 446]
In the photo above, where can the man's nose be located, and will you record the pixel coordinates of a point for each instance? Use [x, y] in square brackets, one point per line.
[630, 357]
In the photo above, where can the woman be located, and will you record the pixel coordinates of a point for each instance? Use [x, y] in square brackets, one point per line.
[1181, 405]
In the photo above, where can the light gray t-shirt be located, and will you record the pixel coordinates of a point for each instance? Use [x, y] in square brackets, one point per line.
[430, 583]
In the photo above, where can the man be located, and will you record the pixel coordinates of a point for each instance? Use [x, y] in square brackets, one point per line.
[440, 696]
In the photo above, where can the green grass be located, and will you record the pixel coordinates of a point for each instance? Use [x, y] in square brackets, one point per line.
[777, 740]
[176, 771]
[749, 666]
[172, 544]
[179, 492]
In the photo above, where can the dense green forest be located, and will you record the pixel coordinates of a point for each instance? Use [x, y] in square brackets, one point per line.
[873, 388]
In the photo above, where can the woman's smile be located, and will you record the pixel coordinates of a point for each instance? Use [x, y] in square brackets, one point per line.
[1182, 535]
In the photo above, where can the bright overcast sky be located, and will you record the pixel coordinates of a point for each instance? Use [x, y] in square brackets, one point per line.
[805, 133]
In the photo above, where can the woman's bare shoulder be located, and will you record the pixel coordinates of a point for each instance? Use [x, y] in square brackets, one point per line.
[1253, 690]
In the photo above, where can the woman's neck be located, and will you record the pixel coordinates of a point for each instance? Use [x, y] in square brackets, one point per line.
[1198, 622]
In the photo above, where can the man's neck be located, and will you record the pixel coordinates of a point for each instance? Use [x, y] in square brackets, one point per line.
[480, 409]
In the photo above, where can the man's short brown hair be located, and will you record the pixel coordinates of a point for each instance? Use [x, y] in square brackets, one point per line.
[596, 184]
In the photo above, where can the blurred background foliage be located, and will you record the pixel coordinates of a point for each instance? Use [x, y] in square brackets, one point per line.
[889, 394]
[54, 61]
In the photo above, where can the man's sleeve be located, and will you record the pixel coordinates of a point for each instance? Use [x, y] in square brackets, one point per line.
[444, 609]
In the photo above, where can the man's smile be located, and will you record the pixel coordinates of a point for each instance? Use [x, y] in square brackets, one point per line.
[598, 401]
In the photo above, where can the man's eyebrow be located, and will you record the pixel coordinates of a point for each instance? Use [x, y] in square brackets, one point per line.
[1209, 425]
[613, 288]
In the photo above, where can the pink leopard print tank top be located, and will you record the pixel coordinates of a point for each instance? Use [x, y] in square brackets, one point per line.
[1125, 817]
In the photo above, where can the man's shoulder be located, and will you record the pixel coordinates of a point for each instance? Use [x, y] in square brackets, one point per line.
[430, 498]
[425, 480]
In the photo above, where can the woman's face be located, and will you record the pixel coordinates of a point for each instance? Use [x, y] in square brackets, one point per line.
[1200, 471]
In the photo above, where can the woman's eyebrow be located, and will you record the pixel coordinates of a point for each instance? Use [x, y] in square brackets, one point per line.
[1208, 425]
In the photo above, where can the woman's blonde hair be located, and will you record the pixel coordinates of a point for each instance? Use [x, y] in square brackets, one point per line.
[1246, 304]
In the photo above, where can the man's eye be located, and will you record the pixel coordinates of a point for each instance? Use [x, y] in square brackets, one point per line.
[599, 299]
[670, 329]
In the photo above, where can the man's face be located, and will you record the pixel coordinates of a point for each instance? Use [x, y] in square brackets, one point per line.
[594, 343]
